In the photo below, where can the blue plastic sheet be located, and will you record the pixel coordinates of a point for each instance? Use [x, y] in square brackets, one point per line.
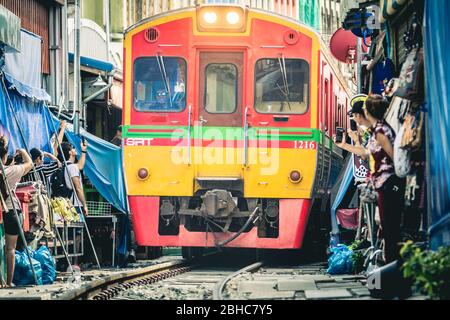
[103, 167]
[340, 261]
[437, 72]
[345, 183]
[32, 119]
[23, 275]
[26, 90]
[104, 160]
[48, 265]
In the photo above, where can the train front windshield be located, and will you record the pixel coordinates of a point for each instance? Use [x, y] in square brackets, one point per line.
[281, 86]
[159, 84]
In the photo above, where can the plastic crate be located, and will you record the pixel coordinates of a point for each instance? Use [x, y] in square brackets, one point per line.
[99, 208]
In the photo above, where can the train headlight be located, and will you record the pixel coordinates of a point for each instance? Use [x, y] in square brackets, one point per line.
[295, 176]
[232, 17]
[210, 17]
[221, 18]
[143, 174]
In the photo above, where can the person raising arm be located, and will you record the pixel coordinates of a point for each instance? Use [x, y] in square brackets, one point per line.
[82, 160]
[11, 204]
[73, 176]
[60, 138]
[356, 148]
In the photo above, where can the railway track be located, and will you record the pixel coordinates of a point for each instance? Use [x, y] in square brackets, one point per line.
[109, 287]
[215, 278]
[170, 280]
[199, 282]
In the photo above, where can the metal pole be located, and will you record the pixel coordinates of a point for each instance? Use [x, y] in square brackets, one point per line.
[92, 244]
[359, 74]
[65, 59]
[73, 188]
[63, 247]
[114, 241]
[106, 18]
[76, 69]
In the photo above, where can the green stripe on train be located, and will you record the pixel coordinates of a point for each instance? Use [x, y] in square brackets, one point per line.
[223, 133]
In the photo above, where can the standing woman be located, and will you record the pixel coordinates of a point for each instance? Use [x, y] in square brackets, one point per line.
[390, 188]
[13, 175]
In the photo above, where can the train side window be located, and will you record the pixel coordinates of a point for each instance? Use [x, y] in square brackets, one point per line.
[336, 113]
[325, 105]
[282, 88]
[159, 84]
[221, 88]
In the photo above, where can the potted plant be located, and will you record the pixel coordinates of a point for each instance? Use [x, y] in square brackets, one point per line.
[429, 270]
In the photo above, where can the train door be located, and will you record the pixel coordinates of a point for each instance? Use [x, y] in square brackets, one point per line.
[327, 115]
[220, 113]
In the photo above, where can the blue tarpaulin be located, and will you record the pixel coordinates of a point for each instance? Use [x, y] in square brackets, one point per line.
[104, 160]
[437, 69]
[344, 185]
[103, 168]
[32, 118]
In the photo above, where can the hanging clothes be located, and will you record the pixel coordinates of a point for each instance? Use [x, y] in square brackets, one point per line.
[383, 72]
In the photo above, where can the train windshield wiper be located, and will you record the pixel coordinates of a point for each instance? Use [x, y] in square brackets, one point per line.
[285, 89]
[165, 77]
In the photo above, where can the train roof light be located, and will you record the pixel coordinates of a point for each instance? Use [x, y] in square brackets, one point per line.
[210, 17]
[221, 18]
[232, 17]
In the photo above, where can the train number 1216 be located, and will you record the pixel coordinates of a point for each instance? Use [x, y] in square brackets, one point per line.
[308, 145]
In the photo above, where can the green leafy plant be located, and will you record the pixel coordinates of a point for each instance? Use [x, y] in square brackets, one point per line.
[357, 256]
[430, 270]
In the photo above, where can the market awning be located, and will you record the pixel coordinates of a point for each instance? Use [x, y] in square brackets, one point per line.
[93, 63]
[23, 70]
[389, 8]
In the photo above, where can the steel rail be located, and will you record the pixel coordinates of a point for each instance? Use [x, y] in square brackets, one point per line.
[107, 288]
[218, 289]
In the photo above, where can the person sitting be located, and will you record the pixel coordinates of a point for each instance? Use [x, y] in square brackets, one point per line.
[12, 204]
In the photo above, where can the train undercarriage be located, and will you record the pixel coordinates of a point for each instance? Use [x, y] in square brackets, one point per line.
[224, 219]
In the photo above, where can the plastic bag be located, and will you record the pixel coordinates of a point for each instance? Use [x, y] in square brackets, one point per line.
[340, 261]
[23, 275]
[48, 265]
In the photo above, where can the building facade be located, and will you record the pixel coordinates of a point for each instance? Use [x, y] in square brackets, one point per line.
[44, 19]
[330, 18]
[305, 10]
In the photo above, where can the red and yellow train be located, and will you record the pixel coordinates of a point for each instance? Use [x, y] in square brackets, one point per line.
[227, 119]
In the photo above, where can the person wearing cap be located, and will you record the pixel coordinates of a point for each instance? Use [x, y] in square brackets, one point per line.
[357, 114]
[390, 188]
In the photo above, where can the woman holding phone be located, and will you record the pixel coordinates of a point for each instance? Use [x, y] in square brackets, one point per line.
[390, 188]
